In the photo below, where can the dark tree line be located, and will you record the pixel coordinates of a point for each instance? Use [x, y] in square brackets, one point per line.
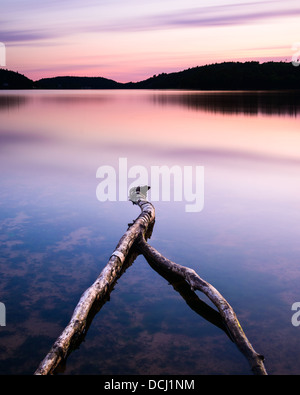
[229, 76]
[220, 76]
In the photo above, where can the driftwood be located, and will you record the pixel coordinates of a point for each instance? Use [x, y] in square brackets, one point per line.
[181, 286]
[226, 311]
[98, 290]
[132, 243]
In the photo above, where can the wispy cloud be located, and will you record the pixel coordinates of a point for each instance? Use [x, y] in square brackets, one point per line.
[9, 36]
[204, 16]
[171, 34]
[225, 15]
[100, 19]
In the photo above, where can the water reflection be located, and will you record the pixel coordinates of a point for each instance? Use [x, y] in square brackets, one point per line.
[9, 102]
[179, 285]
[248, 103]
[282, 103]
[14, 138]
[97, 306]
[73, 98]
[191, 298]
[56, 237]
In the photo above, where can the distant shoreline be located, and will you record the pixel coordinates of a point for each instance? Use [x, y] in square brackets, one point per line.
[220, 76]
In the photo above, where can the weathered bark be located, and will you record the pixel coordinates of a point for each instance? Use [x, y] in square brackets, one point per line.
[181, 286]
[134, 239]
[197, 283]
[99, 289]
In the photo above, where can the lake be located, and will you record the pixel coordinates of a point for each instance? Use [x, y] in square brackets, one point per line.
[57, 235]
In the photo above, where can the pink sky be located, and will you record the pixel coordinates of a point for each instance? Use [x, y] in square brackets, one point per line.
[132, 40]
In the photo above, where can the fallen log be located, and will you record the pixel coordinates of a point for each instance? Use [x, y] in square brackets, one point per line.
[181, 286]
[99, 289]
[135, 238]
[236, 332]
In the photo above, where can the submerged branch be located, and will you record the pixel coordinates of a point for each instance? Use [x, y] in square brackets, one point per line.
[226, 311]
[133, 241]
[191, 298]
[98, 290]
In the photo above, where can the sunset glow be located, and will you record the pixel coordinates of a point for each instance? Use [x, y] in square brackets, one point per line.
[132, 40]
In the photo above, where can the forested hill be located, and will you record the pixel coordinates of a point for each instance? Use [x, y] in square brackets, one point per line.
[229, 76]
[12, 80]
[77, 83]
[221, 76]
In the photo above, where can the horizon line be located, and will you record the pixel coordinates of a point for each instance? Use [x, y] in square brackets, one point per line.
[154, 75]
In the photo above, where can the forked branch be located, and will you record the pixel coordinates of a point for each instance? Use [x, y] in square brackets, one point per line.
[226, 311]
[100, 289]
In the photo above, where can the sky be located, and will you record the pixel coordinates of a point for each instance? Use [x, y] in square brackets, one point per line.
[134, 39]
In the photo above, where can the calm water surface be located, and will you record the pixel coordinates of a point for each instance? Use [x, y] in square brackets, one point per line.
[56, 236]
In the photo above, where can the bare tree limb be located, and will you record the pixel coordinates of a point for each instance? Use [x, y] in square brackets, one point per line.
[181, 286]
[99, 289]
[135, 237]
[226, 311]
